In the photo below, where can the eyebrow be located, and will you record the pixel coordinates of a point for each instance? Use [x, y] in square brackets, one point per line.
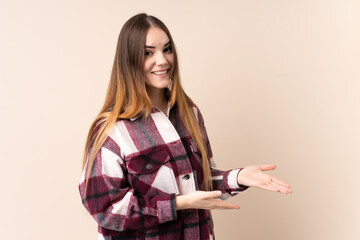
[168, 43]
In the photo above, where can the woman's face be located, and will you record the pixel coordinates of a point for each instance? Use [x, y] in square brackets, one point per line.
[159, 59]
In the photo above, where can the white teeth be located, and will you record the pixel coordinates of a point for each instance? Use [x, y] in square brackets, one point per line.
[160, 72]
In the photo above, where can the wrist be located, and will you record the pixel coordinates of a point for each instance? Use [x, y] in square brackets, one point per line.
[238, 177]
[180, 202]
[239, 182]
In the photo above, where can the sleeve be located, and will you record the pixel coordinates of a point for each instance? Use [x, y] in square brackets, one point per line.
[225, 181]
[113, 203]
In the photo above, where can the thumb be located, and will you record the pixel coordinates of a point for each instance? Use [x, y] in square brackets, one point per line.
[214, 194]
[267, 167]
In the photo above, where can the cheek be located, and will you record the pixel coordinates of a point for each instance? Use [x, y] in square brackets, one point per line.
[147, 66]
[171, 59]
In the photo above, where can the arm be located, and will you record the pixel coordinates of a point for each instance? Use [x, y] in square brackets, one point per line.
[234, 181]
[203, 200]
[111, 200]
[250, 176]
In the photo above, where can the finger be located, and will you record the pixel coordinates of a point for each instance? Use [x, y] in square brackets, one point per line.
[220, 204]
[281, 188]
[213, 194]
[275, 180]
[285, 190]
[273, 185]
[269, 187]
[267, 167]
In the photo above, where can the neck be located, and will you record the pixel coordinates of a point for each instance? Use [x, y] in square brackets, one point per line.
[157, 98]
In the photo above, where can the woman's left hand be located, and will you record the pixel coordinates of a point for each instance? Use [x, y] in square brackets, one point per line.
[254, 176]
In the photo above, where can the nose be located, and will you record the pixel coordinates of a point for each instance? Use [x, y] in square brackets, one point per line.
[160, 59]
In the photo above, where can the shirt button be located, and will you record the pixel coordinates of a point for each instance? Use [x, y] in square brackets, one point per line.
[186, 177]
[148, 166]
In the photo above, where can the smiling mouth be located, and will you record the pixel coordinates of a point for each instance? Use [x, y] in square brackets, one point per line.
[162, 72]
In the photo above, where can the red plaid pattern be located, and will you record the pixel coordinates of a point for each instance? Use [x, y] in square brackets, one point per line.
[142, 166]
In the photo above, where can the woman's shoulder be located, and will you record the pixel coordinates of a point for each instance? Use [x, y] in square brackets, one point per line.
[197, 113]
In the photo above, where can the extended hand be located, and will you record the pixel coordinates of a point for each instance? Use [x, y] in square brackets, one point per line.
[254, 176]
[203, 200]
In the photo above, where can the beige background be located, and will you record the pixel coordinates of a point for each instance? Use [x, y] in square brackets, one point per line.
[277, 82]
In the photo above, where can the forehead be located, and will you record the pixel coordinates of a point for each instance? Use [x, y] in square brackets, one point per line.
[156, 37]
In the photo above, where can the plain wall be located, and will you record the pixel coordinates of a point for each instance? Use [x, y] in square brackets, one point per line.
[277, 82]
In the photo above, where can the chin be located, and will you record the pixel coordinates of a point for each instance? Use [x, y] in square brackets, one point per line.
[156, 83]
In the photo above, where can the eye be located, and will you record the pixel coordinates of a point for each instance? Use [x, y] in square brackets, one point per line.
[168, 50]
[147, 53]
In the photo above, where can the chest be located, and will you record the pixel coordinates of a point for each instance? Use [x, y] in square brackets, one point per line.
[159, 155]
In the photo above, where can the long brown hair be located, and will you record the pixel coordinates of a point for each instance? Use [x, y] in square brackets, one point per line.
[127, 97]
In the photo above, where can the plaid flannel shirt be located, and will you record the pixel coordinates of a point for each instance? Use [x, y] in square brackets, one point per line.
[142, 166]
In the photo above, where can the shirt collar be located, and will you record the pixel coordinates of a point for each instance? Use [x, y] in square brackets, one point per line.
[155, 110]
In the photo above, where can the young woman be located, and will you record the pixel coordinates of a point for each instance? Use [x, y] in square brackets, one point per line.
[148, 170]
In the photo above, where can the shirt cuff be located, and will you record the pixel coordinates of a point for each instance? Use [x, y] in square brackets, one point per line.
[232, 180]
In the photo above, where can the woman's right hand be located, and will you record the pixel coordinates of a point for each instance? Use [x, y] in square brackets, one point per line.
[203, 200]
